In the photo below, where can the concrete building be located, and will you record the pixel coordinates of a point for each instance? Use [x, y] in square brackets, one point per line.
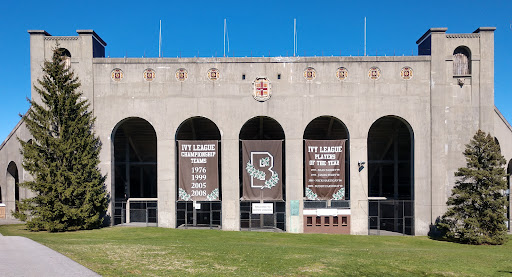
[405, 121]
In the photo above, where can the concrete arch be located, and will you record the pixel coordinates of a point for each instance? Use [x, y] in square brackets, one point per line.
[198, 128]
[134, 167]
[327, 127]
[12, 182]
[261, 127]
[462, 61]
[391, 176]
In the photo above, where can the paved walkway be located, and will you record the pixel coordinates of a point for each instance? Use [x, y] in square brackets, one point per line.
[20, 256]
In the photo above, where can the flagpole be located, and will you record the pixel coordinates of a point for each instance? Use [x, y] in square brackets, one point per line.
[160, 41]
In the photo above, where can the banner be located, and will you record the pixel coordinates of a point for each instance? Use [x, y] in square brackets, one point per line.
[262, 169]
[198, 170]
[325, 169]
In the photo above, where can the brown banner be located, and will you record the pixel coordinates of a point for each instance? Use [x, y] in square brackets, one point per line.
[198, 170]
[325, 169]
[262, 169]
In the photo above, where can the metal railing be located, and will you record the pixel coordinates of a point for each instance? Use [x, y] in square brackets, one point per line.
[136, 210]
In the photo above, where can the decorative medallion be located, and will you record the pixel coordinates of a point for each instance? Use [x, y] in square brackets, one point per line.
[117, 75]
[261, 90]
[374, 73]
[181, 74]
[309, 74]
[342, 73]
[149, 75]
[213, 74]
[406, 73]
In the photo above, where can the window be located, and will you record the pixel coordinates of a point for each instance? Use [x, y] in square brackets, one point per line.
[461, 61]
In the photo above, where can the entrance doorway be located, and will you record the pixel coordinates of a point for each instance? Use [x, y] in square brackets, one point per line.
[199, 214]
[135, 172]
[390, 177]
[262, 128]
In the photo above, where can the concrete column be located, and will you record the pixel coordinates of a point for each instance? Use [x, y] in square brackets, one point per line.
[230, 185]
[166, 170]
[358, 187]
[294, 183]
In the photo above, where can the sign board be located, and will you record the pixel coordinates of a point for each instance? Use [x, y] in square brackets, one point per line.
[262, 208]
[325, 169]
[198, 170]
[294, 207]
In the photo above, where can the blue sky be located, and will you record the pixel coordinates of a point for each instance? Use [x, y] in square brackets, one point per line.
[255, 28]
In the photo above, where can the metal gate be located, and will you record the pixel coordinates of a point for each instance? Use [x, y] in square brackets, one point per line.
[390, 217]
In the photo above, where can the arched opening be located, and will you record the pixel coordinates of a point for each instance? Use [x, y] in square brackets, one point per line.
[198, 173]
[461, 61]
[497, 143]
[13, 182]
[326, 180]
[261, 175]
[135, 172]
[391, 177]
[509, 182]
[66, 56]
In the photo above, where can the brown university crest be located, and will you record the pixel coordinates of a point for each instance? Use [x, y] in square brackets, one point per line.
[261, 89]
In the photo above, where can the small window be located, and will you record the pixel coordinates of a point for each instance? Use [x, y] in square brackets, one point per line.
[309, 221]
[335, 220]
[66, 56]
[461, 61]
[318, 221]
[243, 76]
[344, 221]
[279, 76]
[326, 221]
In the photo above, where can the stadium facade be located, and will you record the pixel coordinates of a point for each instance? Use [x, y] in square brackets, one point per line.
[359, 145]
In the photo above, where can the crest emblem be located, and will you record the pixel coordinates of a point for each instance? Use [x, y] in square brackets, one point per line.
[149, 75]
[310, 74]
[181, 74]
[374, 73]
[262, 90]
[117, 75]
[213, 74]
[406, 73]
[341, 73]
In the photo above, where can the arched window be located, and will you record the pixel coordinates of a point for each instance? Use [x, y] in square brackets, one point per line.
[13, 181]
[391, 177]
[66, 56]
[134, 185]
[461, 61]
[261, 173]
[198, 181]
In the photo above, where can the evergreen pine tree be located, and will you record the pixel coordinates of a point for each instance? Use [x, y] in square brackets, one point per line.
[477, 206]
[63, 156]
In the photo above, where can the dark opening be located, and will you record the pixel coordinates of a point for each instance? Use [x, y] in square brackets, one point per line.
[509, 181]
[243, 76]
[209, 213]
[262, 128]
[390, 176]
[135, 167]
[12, 174]
[279, 76]
[327, 128]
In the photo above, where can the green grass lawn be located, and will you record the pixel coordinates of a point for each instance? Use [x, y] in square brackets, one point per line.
[124, 251]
